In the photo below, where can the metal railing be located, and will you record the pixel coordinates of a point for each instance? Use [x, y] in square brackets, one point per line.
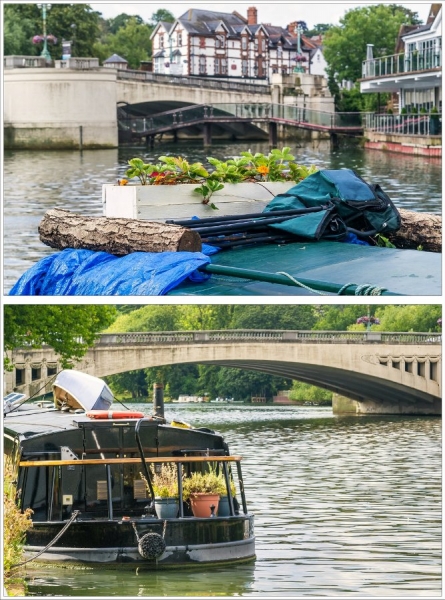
[250, 111]
[267, 335]
[413, 124]
[397, 64]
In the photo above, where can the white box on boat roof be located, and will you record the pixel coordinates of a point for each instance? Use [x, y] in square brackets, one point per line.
[151, 202]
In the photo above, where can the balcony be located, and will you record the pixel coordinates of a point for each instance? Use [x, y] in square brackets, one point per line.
[402, 64]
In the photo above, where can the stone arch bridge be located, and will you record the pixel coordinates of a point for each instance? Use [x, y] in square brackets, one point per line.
[372, 372]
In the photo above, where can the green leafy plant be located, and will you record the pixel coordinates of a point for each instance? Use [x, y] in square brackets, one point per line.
[383, 241]
[207, 189]
[206, 482]
[165, 481]
[278, 165]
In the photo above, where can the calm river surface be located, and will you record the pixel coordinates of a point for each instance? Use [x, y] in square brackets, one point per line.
[34, 182]
[343, 507]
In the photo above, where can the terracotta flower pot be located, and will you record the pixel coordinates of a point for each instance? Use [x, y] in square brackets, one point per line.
[201, 504]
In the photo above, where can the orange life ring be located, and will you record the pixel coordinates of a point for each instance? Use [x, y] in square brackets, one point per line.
[114, 414]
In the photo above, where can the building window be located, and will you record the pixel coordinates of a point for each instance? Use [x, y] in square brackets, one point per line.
[202, 65]
[279, 51]
[263, 45]
[216, 66]
[255, 68]
[244, 42]
[220, 66]
[161, 41]
[179, 38]
[220, 41]
[202, 42]
[245, 68]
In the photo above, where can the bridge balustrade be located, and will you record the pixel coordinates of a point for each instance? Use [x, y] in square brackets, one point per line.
[267, 335]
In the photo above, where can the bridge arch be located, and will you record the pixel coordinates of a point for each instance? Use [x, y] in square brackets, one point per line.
[391, 373]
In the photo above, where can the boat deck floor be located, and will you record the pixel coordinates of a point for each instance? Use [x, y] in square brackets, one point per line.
[400, 272]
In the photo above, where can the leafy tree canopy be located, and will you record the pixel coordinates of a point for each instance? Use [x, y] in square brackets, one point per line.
[131, 41]
[69, 329]
[345, 44]
[121, 21]
[75, 22]
[162, 15]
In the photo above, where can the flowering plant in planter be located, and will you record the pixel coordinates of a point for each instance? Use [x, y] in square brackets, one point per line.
[208, 482]
[165, 481]
[368, 320]
[277, 166]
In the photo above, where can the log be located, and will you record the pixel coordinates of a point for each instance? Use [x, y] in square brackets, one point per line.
[63, 229]
[418, 230]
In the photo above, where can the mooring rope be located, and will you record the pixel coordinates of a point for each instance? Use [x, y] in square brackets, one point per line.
[365, 289]
[58, 536]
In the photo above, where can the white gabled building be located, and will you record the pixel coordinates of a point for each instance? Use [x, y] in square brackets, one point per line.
[206, 43]
[414, 73]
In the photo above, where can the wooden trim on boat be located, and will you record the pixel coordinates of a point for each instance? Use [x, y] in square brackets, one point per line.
[117, 461]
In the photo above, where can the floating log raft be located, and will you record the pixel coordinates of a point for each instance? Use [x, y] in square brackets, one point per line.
[63, 229]
[418, 230]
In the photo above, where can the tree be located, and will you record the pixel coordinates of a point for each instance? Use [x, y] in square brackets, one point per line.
[147, 318]
[122, 20]
[305, 392]
[344, 46]
[69, 329]
[131, 41]
[162, 15]
[419, 317]
[17, 33]
[271, 316]
[76, 22]
[243, 384]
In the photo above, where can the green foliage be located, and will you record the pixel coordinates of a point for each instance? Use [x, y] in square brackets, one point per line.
[131, 41]
[165, 481]
[344, 46]
[383, 241]
[418, 317]
[15, 523]
[75, 22]
[207, 189]
[153, 317]
[121, 21]
[69, 329]
[305, 392]
[271, 316]
[206, 482]
[162, 14]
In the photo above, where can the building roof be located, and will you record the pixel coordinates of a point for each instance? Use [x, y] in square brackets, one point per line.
[115, 58]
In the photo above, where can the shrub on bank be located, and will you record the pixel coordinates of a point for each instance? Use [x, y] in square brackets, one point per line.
[15, 523]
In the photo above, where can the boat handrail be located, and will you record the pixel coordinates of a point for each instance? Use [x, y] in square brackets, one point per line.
[117, 461]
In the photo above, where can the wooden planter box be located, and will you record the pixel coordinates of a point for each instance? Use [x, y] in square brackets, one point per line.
[157, 202]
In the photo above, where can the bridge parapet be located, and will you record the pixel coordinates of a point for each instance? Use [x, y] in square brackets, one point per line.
[267, 335]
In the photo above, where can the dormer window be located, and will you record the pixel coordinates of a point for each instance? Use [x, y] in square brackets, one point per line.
[161, 41]
[244, 42]
[179, 38]
[220, 41]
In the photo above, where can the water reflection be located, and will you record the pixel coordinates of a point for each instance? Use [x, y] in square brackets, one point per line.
[342, 506]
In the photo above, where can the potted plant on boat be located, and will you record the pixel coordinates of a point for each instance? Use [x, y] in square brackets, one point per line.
[203, 490]
[175, 188]
[165, 486]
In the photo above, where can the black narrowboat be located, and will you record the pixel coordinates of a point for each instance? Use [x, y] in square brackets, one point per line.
[86, 470]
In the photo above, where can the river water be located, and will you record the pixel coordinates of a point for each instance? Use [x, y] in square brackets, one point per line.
[343, 507]
[36, 181]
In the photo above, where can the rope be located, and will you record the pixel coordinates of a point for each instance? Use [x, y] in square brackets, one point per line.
[365, 289]
[301, 284]
[58, 536]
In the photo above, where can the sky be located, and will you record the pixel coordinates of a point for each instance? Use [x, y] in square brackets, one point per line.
[273, 12]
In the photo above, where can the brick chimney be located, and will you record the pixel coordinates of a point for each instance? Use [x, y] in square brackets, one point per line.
[252, 15]
[292, 27]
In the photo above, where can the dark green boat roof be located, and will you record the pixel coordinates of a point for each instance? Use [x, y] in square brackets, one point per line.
[400, 272]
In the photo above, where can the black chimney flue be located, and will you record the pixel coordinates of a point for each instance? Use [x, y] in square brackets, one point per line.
[158, 399]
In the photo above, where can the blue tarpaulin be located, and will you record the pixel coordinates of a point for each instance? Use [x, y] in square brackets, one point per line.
[88, 273]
